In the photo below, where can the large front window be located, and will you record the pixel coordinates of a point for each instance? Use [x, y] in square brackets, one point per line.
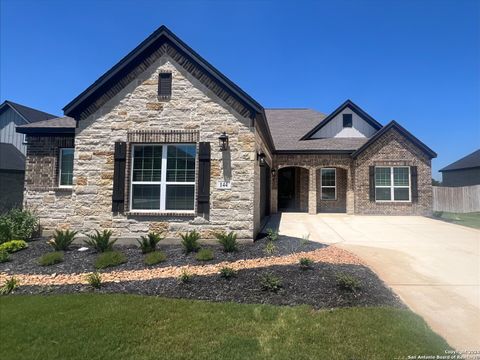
[163, 177]
[328, 184]
[65, 170]
[392, 183]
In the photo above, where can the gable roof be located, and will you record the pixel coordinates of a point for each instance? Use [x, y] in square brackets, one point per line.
[467, 162]
[394, 125]
[355, 108]
[11, 158]
[29, 114]
[61, 125]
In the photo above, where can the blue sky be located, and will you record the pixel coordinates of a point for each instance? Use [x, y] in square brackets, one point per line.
[415, 61]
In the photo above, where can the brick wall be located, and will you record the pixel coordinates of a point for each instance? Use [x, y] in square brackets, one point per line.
[338, 205]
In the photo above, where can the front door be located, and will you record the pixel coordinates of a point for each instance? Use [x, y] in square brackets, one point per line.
[286, 189]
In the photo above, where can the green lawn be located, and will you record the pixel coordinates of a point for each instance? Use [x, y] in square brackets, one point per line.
[134, 327]
[468, 219]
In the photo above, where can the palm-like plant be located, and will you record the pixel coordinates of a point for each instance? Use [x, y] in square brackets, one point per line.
[62, 239]
[149, 243]
[228, 241]
[190, 241]
[100, 241]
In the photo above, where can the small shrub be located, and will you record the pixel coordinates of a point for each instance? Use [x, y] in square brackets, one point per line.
[100, 241]
[13, 246]
[190, 241]
[5, 230]
[204, 255]
[305, 239]
[18, 224]
[62, 239]
[270, 248]
[272, 235]
[227, 272]
[149, 243]
[347, 282]
[51, 258]
[185, 277]
[155, 258]
[4, 256]
[305, 263]
[271, 282]
[94, 280]
[109, 259]
[9, 285]
[228, 241]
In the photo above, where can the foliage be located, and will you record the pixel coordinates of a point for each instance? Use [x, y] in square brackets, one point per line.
[185, 277]
[100, 241]
[270, 282]
[4, 256]
[9, 285]
[436, 183]
[228, 241]
[305, 263]
[62, 239]
[149, 243]
[13, 246]
[94, 280]
[347, 282]
[272, 235]
[227, 272]
[270, 248]
[51, 258]
[204, 255]
[305, 239]
[155, 258]
[190, 241]
[110, 259]
[18, 224]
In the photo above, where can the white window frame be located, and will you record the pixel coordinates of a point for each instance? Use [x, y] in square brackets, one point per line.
[392, 186]
[163, 180]
[24, 139]
[328, 186]
[60, 169]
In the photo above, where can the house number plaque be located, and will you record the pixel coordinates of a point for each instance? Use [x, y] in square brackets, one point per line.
[224, 184]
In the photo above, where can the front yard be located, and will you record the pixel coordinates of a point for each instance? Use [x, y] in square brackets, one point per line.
[467, 219]
[91, 326]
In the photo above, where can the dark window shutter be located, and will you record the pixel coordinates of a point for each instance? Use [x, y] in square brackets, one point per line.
[414, 183]
[372, 182]
[347, 120]
[118, 195]
[164, 85]
[203, 206]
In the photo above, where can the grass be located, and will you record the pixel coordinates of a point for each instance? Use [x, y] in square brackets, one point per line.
[110, 259]
[155, 257]
[467, 219]
[51, 258]
[139, 327]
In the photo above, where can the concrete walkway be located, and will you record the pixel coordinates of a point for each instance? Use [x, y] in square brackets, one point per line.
[432, 265]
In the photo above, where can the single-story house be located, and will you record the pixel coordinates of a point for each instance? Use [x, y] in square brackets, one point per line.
[165, 142]
[463, 172]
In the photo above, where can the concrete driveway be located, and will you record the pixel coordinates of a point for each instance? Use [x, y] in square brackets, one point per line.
[432, 265]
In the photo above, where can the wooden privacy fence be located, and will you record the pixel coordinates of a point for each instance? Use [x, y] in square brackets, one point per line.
[456, 199]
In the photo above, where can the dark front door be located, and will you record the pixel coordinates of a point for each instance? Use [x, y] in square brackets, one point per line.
[286, 189]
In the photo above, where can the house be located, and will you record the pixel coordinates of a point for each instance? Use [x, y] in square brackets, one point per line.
[164, 142]
[463, 172]
[12, 151]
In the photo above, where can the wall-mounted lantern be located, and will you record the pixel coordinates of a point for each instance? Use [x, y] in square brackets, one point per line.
[273, 172]
[261, 158]
[223, 141]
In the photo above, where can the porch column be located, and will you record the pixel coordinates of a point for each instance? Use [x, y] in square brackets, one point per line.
[350, 193]
[312, 191]
[274, 192]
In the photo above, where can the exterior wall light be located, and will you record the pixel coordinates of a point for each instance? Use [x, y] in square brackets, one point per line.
[273, 172]
[223, 141]
[261, 159]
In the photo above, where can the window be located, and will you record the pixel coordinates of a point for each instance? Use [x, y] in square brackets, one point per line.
[347, 120]
[65, 172]
[392, 183]
[328, 184]
[163, 178]
[165, 85]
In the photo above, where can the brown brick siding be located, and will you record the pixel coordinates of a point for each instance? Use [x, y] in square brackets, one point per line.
[338, 205]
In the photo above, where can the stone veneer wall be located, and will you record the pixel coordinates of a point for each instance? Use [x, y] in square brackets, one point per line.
[393, 149]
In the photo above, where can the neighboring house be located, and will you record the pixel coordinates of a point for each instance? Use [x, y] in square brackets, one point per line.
[12, 151]
[164, 142]
[463, 172]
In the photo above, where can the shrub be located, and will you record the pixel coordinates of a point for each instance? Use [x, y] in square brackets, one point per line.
[227, 272]
[305, 239]
[9, 285]
[190, 241]
[228, 241]
[272, 235]
[109, 259]
[94, 280]
[347, 282]
[270, 248]
[4, 256]
[204, 255]
[62, 239]
[305, 263]
[270, 282]
[18, 224]
[100, 241]
[155, 258]
[13, 246]
[149, 243]
[185, 277]
[51, 258]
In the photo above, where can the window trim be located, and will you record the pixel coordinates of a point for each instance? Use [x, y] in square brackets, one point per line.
[163, 181]
[60, 167]
[392, 185]
[328, 186]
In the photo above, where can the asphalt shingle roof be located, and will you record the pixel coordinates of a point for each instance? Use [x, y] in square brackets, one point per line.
[470, 161]
[11, 158]
[29, 114]
[58, 122]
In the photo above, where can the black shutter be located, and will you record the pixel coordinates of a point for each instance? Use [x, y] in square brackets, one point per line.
[118, 195]
[372, 182]
[164, 85]
[414, 183]
[203, 205]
